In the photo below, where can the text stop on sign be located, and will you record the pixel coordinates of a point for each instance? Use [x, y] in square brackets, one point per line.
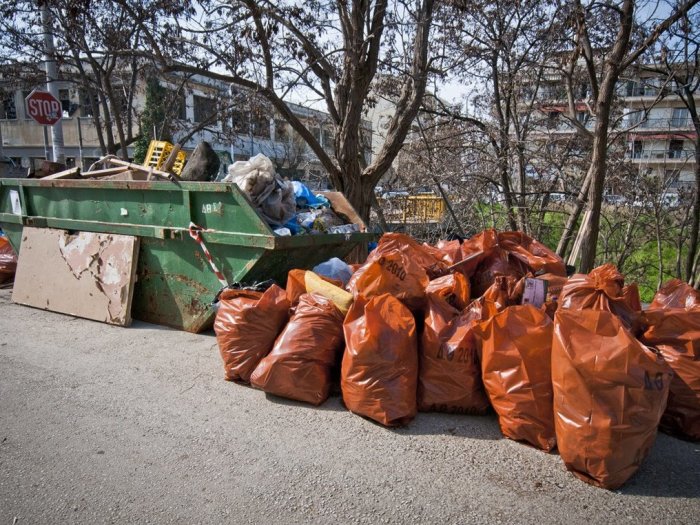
[44, 108]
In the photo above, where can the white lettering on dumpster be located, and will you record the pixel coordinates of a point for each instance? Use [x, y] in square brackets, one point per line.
[14, 202]
[214, 207]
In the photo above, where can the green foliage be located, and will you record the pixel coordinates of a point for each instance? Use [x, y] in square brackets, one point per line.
[154, 115]
[639, 258]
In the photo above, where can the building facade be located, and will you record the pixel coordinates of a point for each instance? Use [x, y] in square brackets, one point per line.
[238, 133]
[657, 131]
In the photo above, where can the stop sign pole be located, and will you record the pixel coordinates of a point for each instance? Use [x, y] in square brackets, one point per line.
[51, 77]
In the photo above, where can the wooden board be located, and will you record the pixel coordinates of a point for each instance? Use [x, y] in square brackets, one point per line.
[73, 173]
[342, 207]
[84, 274]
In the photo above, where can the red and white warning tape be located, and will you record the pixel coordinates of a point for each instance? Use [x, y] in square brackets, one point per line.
[196, 234]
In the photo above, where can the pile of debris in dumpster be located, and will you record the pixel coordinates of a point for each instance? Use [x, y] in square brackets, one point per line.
[571, 363]
[289, 207]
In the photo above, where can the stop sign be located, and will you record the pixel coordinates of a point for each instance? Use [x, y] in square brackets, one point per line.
[44, 108]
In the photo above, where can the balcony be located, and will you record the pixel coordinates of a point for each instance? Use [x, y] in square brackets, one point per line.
[667, 124]
[662, 155]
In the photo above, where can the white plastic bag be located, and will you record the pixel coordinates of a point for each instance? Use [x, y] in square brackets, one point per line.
[273, 197]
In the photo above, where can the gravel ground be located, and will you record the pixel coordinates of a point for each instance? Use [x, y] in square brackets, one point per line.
[100, 424]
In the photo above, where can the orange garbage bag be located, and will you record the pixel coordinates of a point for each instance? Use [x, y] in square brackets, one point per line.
[476, 249]
[515, 363]
[497, 263]
[399, 266]
[535, 255]
[675, 332]
[676, 294]
[8, 260]
[603, 289]
[630, 295]
[246, 325]
[555, 285]
[379, 373]
[449, 377]
[490, 254]
[505, 291]
[434, 261]
[609, 394]
[453, 288]
[452, 251]
[302, 360]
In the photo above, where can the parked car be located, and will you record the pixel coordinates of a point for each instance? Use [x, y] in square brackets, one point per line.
[670, 200]
[614, 199]
[392, 194]
[557, 197]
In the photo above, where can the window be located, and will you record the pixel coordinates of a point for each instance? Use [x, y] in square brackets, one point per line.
[681, 118]
[8, 109]
[64, 98]
[582, 117]
[25, 94]
[85, 100]
[637, 148]
[634, 89]
[634, 117]
[241, 122]
[316, 132]
[675, 149]
[204, 109]
[177, 106]
[650, 91]
[671, 178]
[281, 131]
[328, 138]
[583, 91]
[260, 123]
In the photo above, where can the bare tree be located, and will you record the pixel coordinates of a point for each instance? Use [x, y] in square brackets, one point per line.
[332, 50]
[84, 50]
[607, 52]
[680, 61]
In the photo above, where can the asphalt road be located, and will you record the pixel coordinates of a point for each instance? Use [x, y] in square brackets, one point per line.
[100, 424]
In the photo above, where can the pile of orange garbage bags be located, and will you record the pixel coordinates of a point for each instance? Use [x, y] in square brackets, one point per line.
[578, 367]
[8, 260]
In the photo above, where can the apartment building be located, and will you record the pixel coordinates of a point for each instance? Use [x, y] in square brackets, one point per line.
[237, 134]
[661, 134]
[658, 132]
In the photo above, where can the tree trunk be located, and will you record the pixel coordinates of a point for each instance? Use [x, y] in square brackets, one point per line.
[627, 241]
[522, 208]
[116, 115]
[659, 245]
[360, 194]
[568, 232]
[598, 168]
[695, 222]
[508, 196]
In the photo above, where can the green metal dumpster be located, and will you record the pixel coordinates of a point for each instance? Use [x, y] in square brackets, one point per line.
[175, 284]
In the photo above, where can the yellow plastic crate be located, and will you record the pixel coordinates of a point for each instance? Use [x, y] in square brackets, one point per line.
[424, 208]
[421, 209]
[158, 152]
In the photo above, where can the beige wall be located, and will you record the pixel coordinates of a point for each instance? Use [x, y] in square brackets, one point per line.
[27, 133]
